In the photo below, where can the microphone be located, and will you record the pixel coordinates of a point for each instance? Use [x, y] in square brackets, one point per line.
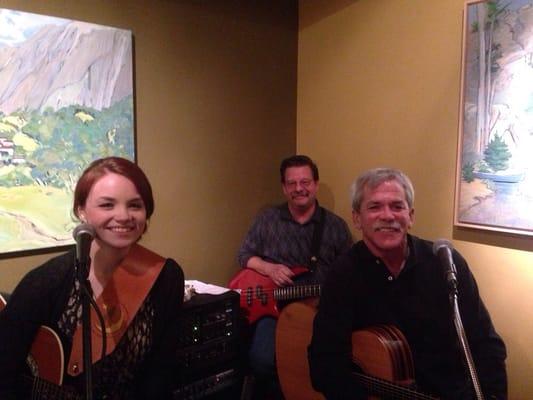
[83, 235]
[442, 248]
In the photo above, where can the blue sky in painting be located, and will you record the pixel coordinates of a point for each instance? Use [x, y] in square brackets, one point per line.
[17, 26]
[518, 3]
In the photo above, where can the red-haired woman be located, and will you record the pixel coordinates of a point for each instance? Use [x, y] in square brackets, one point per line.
[139, 294]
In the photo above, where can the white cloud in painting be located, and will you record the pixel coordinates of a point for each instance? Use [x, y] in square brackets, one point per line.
[18, 26]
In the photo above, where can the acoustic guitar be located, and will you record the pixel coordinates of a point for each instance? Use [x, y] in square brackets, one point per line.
[381, 353]
[46, 366]
[259, 295]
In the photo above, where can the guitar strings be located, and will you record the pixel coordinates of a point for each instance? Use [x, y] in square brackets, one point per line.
[388, 388]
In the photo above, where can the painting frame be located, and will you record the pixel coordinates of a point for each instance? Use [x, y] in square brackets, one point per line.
[494, 174]
[66, 99]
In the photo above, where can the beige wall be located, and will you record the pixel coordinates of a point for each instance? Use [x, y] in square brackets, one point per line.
[378, 84]
[216, 112]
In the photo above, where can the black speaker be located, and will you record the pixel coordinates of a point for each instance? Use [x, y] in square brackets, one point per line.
[210, 352]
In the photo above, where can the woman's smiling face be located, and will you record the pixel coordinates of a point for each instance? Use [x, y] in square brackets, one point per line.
[116, 210]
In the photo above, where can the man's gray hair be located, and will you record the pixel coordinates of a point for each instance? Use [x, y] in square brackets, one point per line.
[375, 177]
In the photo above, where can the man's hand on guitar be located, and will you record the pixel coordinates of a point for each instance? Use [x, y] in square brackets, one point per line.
[280, 274]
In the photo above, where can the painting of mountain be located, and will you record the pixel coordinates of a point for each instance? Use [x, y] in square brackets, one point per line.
[66, 99]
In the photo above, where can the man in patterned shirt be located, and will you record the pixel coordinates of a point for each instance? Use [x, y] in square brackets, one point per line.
[280, 239]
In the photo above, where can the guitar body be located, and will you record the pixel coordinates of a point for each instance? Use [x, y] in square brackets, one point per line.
[293, 335]
[46, 364]
[381, 352]
[259, 295]
[46, 358]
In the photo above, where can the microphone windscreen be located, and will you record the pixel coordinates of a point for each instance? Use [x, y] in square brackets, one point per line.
[440, 243]
[83, 229]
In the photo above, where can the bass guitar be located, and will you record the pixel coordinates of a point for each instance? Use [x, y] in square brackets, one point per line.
[380, 353]
[46, 366]
[259, 295]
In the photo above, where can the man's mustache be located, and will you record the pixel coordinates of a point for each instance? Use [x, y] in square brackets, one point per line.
[300, 193]
[381, 225]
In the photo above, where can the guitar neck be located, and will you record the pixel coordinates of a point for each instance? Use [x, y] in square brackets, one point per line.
[390, 390]
[40, 389]
[296, 292]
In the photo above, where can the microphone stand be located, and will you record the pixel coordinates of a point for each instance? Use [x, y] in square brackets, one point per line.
[453, 295]
[82, 269]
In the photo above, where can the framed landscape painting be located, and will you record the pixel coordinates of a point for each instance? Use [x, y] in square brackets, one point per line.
[66, 99]
[494, 182]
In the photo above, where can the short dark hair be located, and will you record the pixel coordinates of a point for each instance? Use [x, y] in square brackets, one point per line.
[298, 161]
[116, 165]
